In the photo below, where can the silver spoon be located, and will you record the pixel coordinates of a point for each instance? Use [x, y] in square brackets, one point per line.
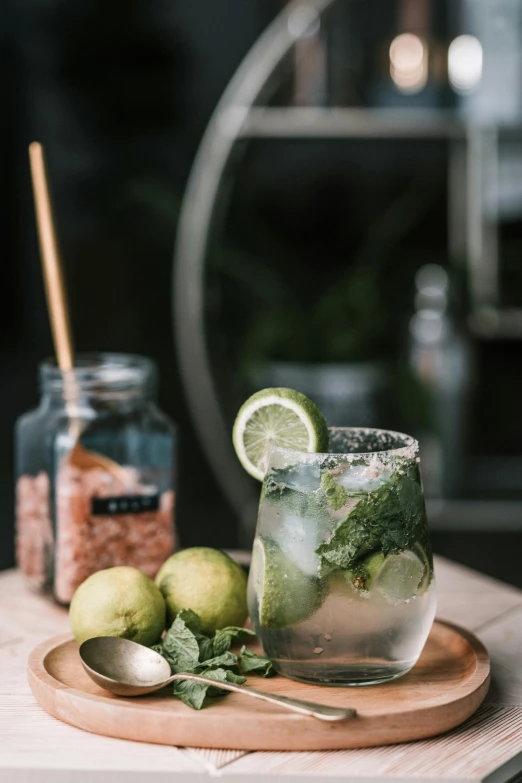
[129, 669]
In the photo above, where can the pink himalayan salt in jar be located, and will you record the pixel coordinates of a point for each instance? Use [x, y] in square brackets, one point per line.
[72, 521]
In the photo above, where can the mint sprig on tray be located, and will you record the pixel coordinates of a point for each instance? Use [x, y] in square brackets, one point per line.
[252, 663]
[188, 650]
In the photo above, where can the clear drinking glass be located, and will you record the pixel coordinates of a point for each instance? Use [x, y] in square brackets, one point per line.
[341, 588]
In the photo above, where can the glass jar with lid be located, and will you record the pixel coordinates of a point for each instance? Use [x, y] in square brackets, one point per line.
[95, 474]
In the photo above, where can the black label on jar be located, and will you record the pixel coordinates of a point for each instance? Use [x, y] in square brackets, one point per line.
[125, 504]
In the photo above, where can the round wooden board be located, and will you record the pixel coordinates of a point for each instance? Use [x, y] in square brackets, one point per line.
[446, 686]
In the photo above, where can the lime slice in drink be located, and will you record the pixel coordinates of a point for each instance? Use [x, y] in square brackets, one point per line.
[283, 417]
[428, 569]
[363, 576]
[401, 576]
[285, 595]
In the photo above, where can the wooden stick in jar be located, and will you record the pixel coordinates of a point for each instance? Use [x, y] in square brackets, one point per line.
[59, 314]
[51, 260]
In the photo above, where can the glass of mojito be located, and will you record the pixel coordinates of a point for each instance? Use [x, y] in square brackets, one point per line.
[341, 588]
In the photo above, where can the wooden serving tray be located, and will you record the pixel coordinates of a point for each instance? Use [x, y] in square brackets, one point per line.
[446, 686]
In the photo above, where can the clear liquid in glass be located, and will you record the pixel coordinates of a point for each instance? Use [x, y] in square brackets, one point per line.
[319, 621]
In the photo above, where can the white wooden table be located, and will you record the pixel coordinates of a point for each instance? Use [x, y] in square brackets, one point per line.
[35, 748]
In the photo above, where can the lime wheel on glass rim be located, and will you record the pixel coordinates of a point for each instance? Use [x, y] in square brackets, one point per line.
[280, 417]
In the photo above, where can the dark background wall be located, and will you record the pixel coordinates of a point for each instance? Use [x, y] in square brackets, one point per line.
[120, 94]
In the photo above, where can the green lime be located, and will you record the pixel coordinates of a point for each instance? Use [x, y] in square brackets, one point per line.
[283, 417]
[285, 595]
[363, 576]
[206, 581]
[401, 576]
[120, 601]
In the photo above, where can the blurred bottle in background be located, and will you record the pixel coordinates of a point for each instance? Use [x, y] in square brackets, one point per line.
[440, 358]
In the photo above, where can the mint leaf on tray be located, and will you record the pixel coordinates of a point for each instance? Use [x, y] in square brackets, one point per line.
[249, 661]
[188, 650]
[228, 660]
[193, 694]
[237, 679]
[180, 643]
[191, 620]
[224, 638]
[206, 647]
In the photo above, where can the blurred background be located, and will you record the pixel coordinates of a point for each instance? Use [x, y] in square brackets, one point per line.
[356, 216]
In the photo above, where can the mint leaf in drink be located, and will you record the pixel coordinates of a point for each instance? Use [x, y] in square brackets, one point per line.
[392, 519]
[283, 487]
[335, 494]
[224, 638]
[249, 661]
[191, 620]
[180, 644]
[352, 539]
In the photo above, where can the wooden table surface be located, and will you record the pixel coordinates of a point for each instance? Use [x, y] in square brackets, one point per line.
[36, 748]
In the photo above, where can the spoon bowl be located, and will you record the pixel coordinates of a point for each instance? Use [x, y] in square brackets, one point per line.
[124, 667]
[129, 669]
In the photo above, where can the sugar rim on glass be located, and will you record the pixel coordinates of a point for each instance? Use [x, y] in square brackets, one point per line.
[409, 450]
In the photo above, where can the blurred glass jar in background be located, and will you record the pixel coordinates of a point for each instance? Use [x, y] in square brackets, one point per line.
[441, 358]
[75, 516]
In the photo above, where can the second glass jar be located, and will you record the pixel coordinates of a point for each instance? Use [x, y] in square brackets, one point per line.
[75, 512]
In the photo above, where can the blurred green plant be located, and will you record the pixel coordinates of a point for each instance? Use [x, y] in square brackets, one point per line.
[347, 312]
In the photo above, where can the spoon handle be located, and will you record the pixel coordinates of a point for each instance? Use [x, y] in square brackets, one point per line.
[319, 711]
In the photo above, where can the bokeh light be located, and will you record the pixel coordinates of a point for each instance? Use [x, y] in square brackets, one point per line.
[465, 63]
[409, 62]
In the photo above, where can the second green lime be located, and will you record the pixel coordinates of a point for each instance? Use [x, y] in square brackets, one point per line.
[208, 582]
